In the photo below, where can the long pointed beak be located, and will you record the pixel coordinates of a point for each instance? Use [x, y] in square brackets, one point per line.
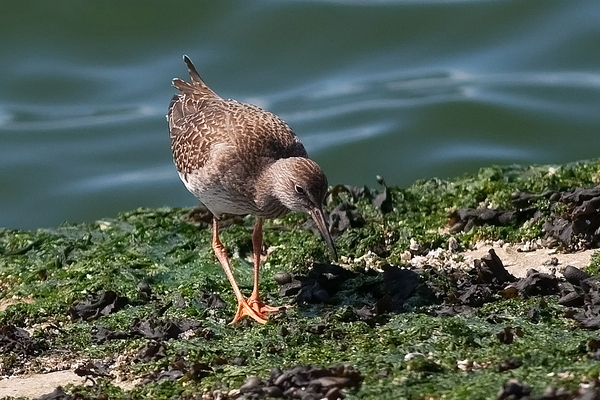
[317, 216]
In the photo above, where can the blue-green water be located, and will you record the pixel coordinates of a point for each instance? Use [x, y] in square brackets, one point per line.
[404, 89]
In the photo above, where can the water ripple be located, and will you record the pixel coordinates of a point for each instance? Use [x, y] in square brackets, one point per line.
[364, 106]
[344, 98]
[448, 152]
[319, 141]
[98, 183]
[8, 121]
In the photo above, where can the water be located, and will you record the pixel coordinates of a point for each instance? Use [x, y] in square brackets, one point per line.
[404, 89]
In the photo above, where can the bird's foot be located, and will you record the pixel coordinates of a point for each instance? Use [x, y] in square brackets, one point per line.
[260, 307]
[246, 310]
[256, 309]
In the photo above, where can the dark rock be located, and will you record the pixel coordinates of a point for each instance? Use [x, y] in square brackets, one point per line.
[151, 328]
[355, 192]
[580, 224]
[508, 334]
[400, 284]
[163, 330]
[588, 318]
[15, 340]
[275, 373]
[178, 302]
[511, 363]
[333, 394]
[291, 289]
[383, 201]
[317, 329]
[21, 250]
[178, 370]
[332, 381]
[207, 333]
[102, 334]
[250, 384]
[93, 369]
[465, 219]
[198, 370]
[281, 380]
[522, 199]
[574, 275]
[585, 289]
[489, 280]
[571, 299]
[310, 289]
[212, 300]
[537, 284]
[343, 217]
[453, 310]
[171, 374]
[272, 391]
[367, 314]
[320, 295]
[593, 349]
[303, 382]
[101, 304]
[322, 283]
[151, 351]
[490, 269]
[144, 292]
[476, 295]
[513, 389]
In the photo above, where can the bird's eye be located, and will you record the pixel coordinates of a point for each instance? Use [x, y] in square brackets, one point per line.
[299, 189]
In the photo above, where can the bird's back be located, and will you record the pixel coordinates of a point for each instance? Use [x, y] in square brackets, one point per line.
[201, 122]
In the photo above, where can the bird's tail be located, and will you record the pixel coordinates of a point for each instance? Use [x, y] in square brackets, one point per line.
[196, 85]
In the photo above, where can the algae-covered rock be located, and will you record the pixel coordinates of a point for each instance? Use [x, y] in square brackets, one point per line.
[142, 295]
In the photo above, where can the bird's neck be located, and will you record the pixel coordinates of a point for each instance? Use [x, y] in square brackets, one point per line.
[270, 187]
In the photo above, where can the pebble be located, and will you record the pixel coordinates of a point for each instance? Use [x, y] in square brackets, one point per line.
[414, 246]
[273, 391]
[250, 384]
[452, 244]
[282, 278]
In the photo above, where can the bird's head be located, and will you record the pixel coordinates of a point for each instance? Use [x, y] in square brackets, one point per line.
[301, 185]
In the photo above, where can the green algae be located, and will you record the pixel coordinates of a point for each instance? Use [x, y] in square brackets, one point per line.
[43, 272]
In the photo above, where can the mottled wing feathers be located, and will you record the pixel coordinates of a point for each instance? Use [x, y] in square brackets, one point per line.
[199, 119]
[190, 150]
[187, 125]
[264, 135]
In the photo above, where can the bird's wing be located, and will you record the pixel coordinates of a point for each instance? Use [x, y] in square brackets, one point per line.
[190, 120]
[261, 134]
[188, 131]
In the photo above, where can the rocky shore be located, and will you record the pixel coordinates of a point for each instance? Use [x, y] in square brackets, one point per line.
[484, 286]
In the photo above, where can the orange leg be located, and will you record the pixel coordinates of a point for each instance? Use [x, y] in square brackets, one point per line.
[244, 308]
[254, 301]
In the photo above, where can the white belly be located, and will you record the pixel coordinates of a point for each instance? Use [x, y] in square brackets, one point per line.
[218, 200]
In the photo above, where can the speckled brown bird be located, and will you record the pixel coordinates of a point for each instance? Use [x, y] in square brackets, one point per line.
[237, 158]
